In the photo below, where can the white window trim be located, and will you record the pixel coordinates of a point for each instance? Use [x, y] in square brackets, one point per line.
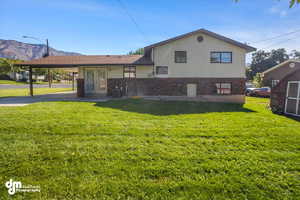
[274, 82]
[293, 98]
[162, 75]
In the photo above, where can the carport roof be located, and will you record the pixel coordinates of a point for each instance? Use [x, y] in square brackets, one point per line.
[90, 60]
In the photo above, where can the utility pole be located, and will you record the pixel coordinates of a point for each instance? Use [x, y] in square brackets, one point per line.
[49, 72]
[30, 82]
[47, 44]
[44, 55]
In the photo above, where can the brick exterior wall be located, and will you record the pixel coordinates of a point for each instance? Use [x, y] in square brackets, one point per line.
[278, 94]
[173, 86]
[80, 87]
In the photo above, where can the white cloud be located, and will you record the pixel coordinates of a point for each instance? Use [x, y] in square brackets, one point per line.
[276, 10]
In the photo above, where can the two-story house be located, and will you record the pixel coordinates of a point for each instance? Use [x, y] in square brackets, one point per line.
[199, 64]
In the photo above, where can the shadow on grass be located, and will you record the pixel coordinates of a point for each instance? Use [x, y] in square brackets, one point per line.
[293, 117]
[171, 107]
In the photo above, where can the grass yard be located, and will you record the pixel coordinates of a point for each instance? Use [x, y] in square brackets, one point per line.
[137, 149]
[25, 91]
[10, 82]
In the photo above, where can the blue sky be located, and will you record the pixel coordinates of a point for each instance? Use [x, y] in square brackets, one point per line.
[102, 26]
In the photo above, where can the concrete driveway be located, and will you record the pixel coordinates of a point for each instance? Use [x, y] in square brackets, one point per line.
[60, 96]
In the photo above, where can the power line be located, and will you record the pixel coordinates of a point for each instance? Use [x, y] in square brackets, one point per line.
[278, 36]
[132, 19]
[281, 42]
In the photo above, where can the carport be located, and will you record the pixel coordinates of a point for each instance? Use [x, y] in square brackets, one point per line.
[94, 71]
[31, 67]
[285, 96]
[48, 63]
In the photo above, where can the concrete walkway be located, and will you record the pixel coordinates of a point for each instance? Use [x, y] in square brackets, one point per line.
[61, 96]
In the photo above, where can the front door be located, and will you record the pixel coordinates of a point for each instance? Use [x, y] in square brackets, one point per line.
[89, 81]
[95, 81]
[293, 98]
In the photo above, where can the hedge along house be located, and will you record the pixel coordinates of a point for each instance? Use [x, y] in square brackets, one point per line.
[198, 64]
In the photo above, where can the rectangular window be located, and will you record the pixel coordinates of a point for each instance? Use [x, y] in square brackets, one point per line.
[180, 57]
[274, 82]
[129, 72]
[223, 88]
[162, 70]
[220, 57]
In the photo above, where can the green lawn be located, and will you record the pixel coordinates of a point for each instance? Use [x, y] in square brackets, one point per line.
[136, 149]
[25, 91]
[10, 82]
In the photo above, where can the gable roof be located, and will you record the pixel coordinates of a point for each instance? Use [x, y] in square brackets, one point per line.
[280, 65]
[209, 33]
[82, 60]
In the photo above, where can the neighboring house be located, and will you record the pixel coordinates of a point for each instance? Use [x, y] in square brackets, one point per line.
[19, 76]
[285, 96]
[272, 76]
[24, 76]
[198, 64]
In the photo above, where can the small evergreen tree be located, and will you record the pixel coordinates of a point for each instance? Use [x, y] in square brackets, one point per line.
[257, 80]
[139, 51]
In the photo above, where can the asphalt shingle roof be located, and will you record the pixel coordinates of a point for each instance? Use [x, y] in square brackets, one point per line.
[89, 60]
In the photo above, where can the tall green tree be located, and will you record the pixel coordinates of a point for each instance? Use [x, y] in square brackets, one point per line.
[263, 60]
[8, 65]
[295, 54]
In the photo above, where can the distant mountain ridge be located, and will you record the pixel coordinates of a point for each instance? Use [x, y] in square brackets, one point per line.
[13, 49]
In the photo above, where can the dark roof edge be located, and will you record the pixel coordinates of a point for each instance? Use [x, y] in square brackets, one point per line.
[280, 65]
[204, 31]
[76, 65]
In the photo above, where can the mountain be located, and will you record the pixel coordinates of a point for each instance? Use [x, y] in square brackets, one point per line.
[23, 51]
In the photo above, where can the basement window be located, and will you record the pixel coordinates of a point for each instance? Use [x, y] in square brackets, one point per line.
[223, 88]
[162, 70]
[129, 72]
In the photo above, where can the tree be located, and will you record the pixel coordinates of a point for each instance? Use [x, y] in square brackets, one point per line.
[7, 65]
[248, 73]
[295, 54]
[263, 60]
[139, 51]
[4, 66]
[258, 80]
[279, 55]
[292, 2]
